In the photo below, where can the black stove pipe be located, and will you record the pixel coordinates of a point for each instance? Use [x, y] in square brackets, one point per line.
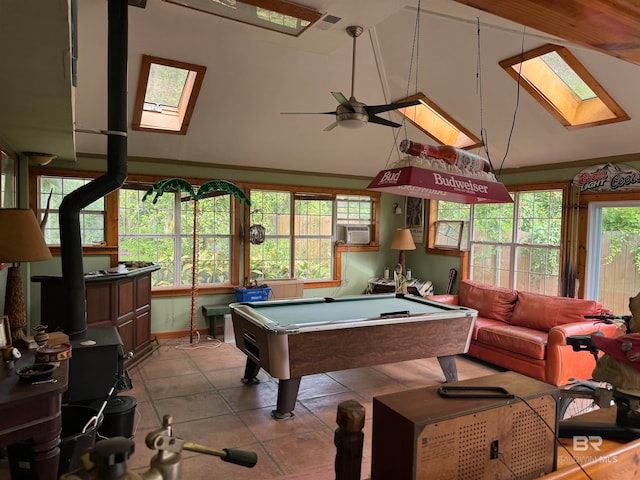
[71, 243]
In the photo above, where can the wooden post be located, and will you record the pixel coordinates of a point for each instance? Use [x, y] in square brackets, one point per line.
[348, 439]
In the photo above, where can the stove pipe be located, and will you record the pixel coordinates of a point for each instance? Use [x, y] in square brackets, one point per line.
[71, 243]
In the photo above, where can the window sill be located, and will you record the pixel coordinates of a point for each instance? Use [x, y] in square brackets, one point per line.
[343, 247]
[159, 292]
[87, 250]
[445, 252]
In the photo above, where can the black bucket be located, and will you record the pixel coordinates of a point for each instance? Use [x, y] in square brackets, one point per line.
[73, 442]
[119, 417]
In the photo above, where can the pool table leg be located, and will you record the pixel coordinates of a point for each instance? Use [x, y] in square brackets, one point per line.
[251, 371]
[287, 396]
[448, 365]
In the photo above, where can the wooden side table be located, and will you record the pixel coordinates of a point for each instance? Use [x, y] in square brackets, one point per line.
[33, 412]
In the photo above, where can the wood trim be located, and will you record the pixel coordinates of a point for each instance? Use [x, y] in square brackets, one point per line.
[465, 256]
[429, 104]
[192, 89]
[607, 26]
[583, 220]
[554, 95]
[186, 291]
[204, 332]
[240, 228]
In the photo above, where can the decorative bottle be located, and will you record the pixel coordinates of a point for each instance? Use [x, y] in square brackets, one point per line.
[452, 155]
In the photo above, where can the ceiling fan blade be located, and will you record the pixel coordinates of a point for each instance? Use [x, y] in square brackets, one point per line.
[330, 127]
[342, 100]
[308, 113]
[374, 109]
[383, 121]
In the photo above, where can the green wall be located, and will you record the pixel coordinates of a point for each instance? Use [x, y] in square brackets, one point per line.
[173, 313]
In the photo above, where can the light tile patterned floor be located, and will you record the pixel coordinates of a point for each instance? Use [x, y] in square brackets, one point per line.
[199, 386]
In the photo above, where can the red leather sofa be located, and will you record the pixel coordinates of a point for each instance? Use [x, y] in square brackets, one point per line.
[526, 332]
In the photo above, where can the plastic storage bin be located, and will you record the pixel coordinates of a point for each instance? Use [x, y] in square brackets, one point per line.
[252, 294]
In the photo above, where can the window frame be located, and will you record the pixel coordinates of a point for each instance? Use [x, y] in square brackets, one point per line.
[184, 110]
[240, 228]
[299, 12]
[428, 112]
[465, 257]
[585, 109]
[338, 248]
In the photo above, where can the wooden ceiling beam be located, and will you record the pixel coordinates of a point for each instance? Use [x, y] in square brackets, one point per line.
[609, 26]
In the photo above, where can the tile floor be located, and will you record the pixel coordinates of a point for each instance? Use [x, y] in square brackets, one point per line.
[199, 386]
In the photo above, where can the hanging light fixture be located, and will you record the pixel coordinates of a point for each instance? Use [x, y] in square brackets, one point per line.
[458, 176]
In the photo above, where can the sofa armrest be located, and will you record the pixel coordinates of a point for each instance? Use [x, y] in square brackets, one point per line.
[558, 334]
[447, 298]
[562, 362]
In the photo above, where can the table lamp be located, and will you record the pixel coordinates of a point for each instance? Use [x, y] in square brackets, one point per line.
[402, 240]
[21, 240]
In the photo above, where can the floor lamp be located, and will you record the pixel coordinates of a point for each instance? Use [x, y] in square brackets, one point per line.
[21, 240]
[402, 240]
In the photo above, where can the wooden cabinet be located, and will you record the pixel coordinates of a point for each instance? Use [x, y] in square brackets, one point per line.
[122, 300]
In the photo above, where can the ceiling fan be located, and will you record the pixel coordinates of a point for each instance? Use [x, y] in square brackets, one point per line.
[352, 113]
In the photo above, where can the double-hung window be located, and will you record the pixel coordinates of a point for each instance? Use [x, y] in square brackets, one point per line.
[300, 232]
[515, 245]
[163, 233]
[52, 189]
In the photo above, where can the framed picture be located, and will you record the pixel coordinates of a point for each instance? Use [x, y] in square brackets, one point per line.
[414, 218]
[5, 331]
[8, 180]
[449, 235]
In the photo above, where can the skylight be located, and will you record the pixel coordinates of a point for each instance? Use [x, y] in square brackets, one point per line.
[564, 87]
[276, 15]
[166, 96]
[436, 123]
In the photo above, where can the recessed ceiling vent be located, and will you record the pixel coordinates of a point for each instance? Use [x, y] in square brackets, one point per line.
[327, 22]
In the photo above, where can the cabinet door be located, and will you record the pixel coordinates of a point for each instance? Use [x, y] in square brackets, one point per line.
[143, 329]
[126, 331]
[100, 303]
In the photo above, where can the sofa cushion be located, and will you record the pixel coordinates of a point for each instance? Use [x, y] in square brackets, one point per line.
[543, 312]
[483, 322]
[489, 301]
[521, 340]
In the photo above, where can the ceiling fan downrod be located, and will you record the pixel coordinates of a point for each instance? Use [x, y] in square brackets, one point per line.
[354, 31]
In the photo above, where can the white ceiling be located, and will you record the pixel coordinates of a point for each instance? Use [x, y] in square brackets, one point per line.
[254, 74]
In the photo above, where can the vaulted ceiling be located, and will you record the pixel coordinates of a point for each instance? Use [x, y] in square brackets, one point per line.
[253, 75]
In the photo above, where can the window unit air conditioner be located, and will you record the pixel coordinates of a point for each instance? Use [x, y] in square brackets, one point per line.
[356, 234]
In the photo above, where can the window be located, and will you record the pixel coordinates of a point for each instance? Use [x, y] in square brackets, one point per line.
[166, 95]
[299, 241]
[514, 245]
[300, 230]
[92, 217]
[354, 209]
[564, 87]
[163, 233]
[280, 16]
[613, 243]
[438, 124]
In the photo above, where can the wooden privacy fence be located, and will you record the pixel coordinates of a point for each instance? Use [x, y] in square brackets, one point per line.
[619, 278]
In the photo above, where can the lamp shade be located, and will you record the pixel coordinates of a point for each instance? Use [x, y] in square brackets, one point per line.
[402, 240]
[21, 239]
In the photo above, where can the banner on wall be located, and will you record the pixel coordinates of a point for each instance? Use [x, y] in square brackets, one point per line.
[608, 178]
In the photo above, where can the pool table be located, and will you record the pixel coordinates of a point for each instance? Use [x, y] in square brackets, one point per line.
[292, 338]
